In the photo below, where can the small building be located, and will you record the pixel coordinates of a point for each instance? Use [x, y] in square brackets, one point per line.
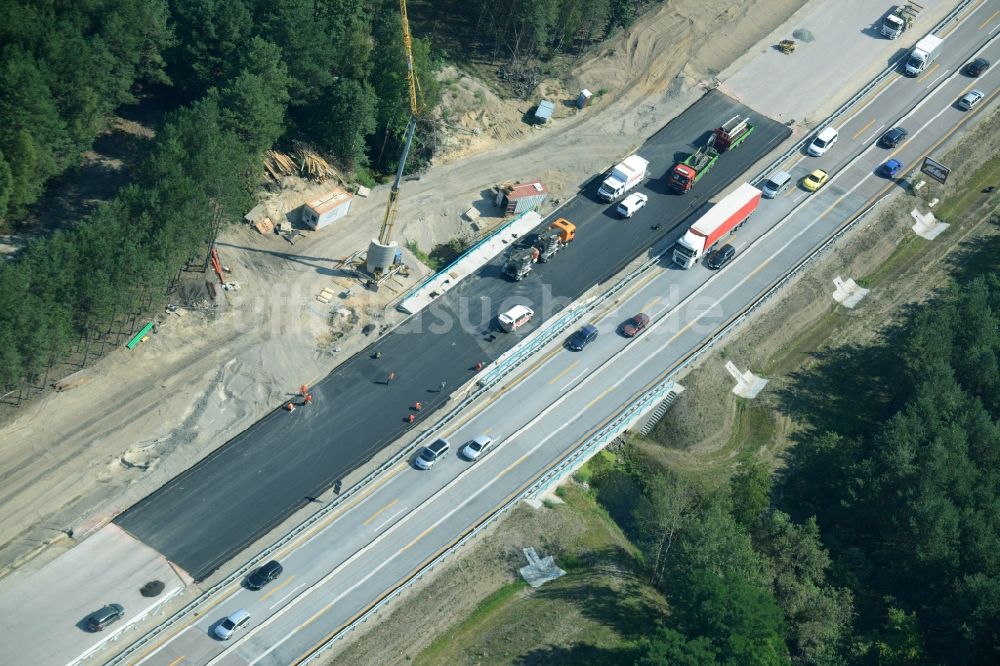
[584, 99]
[326, 208]
[544, 111]
[521, 197]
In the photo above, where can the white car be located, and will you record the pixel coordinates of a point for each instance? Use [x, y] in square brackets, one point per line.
[232, 624]
[476, 447]
[823, 141]
[631, 204]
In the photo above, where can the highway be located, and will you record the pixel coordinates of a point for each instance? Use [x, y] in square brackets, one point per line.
[538, 415]
[204, 516]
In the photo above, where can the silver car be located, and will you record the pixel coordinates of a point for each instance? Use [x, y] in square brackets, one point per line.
[476, 447]
[970, 99]
[232, 624]
[431, 454]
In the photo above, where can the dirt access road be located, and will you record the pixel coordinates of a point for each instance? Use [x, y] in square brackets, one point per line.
[71, 461]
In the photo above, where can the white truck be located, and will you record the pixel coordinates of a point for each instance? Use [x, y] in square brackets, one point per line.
[626, 175]
[896, 22]
[923, 54]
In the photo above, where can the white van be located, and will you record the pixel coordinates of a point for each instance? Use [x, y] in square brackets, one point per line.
[631, 204]
[823, 141]
[516, 317]
[775, 184]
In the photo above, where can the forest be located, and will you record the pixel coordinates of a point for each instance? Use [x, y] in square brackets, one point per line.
[878, 543]
[229, 79]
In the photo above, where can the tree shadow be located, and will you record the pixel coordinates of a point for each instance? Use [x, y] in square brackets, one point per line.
[975, 258]
[626, 607]
[581, 653]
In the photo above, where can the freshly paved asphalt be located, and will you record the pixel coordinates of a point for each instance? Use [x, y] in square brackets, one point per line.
[243, 489]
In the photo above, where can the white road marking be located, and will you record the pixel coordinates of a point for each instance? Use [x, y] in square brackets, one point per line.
[574, 380]
[290, 593]
[873, 134]
[389, 519]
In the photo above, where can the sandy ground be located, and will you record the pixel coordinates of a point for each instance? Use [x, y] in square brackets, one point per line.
[777, 342]
[71, 461]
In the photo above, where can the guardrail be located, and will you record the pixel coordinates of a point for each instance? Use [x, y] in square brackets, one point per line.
[611, 430]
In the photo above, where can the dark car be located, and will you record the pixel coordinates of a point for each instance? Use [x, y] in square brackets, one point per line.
[720, 257]
[893, 137]
[583, 337]
[977, 67]
[263, 575]
[635, 325]
[891, 168]
[108, 615]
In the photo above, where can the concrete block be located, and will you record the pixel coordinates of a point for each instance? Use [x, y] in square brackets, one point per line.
[926, 225]
[847, 292]
[748, 385]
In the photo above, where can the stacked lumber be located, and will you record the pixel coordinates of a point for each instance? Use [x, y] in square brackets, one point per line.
[278, 165]
[325, 296]
[312, 163]
[265, 226]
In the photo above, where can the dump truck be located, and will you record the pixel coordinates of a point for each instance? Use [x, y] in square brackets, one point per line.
[725, 217]
[685, 174]
[626, 175]
[923, 54]
[897, 21]
[732, 133]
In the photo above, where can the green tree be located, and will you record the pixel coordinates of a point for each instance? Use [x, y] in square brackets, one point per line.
[750, 490]
[210, 35]
[253, 105]
[818, 614]
[741, 621]
[6, 186]
[669, 647]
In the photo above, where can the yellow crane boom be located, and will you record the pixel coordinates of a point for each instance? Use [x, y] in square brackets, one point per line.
[385, 233]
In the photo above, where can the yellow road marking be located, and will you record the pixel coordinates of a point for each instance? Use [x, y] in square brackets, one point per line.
[514, 464]
[380, 511]
[860, 131]
[600, 397]
[648, 306]
[419, 537]
[176, 661]
[278, 587]
[560, 375]
[993, 16]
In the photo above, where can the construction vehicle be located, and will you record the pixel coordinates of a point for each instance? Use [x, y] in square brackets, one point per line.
[897, 21]
[627, 174]
[923, 54]
[549, 244]
[786, 46]
[732, 133]
[518, 264]
[725, 217]
[685, 174]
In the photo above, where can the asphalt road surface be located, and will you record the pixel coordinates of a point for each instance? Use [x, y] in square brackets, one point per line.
[207, 514]
[538, 416]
